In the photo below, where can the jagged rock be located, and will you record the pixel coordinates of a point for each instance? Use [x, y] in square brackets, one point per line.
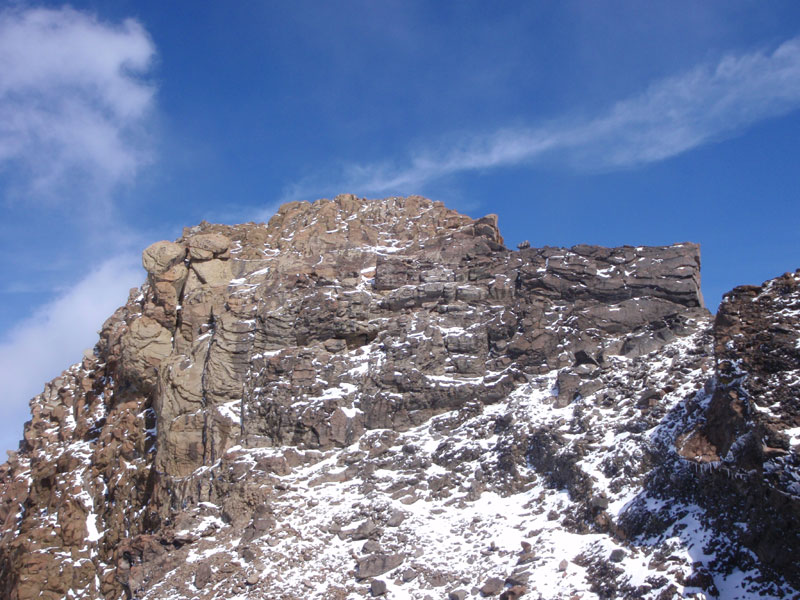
[365, 530]
[273, 394]
[702, 579]
[568, 384]
[520, 576]
[377, 564]
[617, 555]
[514, 592]
[492, 586]
[371, 547]
[750, 422]
[144, 346]
[377, 587]
[262, 523]
[396, 518]
[212, 272]
[202, 576]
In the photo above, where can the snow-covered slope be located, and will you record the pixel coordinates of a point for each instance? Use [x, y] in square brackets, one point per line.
[369, 398]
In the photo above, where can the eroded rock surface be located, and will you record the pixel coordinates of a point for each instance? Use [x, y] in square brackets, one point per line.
[380, 389]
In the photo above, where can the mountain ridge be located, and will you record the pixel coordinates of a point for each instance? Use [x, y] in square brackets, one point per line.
[289, 410]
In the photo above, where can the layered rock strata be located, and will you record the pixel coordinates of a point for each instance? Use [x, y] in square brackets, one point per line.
[377, 397]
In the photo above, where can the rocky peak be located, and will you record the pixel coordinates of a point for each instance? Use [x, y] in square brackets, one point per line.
[377, 397]
[318, 229]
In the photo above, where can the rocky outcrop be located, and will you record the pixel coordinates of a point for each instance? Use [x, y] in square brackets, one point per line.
[364, 389]
[747, 439]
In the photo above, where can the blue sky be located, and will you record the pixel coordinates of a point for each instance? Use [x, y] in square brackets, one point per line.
[576, 122]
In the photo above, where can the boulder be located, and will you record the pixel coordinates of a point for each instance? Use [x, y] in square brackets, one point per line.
[202, 576]
[377, 564]
[206, 246]
[377, 587]
[162, 256]
[492, 586]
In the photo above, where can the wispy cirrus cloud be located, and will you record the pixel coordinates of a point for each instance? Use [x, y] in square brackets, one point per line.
[708, 103]
[73, 102]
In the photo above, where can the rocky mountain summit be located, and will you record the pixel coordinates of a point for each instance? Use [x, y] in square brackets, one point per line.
[375, 398]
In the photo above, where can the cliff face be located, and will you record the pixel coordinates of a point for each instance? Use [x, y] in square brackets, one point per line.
[370, 394]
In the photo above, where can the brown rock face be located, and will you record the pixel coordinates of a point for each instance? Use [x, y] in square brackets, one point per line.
[755, 342]
[393, 351]
[750, 434]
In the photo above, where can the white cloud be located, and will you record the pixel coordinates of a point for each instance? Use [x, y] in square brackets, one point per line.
[75, 111]
[55, 336]
[672, 116]
[73, 104]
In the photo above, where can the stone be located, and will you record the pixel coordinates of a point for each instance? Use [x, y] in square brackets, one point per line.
[377, 587]
[371, 547]
[365, 530]
[519, 576]
[377, 564]
[161, 256]
[261, 524]
[617, 555]
[567, 383]
[143, 347]
[702, 578]
[212, 272]
[492, 586]
[396, 518]
[202, 576]
[206, 246]
[599, 501]
[514, 592]
[457, 595]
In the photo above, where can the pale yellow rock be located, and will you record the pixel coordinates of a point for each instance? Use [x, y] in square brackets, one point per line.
[215, 242]
[206, 246]
[144, 346]
[169, 284]
[181, 448]
[213, 272]
[227, 359]
[198, 303]
[161, 256]
[200, 254]
[180, 385]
